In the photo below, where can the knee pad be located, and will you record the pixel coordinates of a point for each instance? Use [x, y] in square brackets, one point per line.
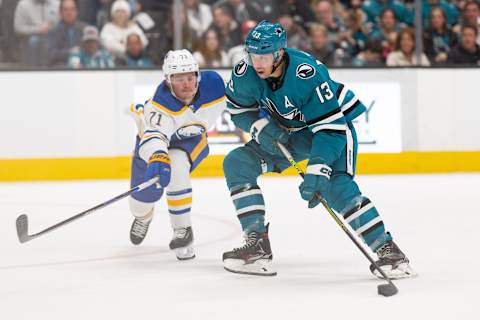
[141, 209]
[342, 190]
[241, 167]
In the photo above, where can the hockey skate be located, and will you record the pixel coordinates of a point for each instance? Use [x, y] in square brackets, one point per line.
[138, 231]
[393, 262]
[254, 258]
[182, 243]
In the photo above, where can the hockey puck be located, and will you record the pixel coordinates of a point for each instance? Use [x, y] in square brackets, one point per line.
[387, 290]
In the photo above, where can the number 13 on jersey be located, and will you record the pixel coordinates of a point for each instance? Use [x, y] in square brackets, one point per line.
[324, 92]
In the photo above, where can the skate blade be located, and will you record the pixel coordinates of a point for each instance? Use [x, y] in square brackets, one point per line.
[261, 267]
[185, 253]
[402, 271]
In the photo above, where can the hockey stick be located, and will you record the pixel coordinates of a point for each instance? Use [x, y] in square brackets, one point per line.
[22, 220]
[386, 290]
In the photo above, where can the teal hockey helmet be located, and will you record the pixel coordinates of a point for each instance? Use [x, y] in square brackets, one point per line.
[266, 38]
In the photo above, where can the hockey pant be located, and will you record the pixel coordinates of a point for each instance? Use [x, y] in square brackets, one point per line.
[185, 155]
[244, 165]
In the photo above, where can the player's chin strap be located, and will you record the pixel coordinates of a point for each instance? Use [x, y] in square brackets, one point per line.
[388, 289]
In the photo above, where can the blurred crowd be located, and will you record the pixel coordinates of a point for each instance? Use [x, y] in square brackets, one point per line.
[83, 34]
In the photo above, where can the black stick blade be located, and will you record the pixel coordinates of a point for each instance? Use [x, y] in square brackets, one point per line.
[22, 228]
[387, 290]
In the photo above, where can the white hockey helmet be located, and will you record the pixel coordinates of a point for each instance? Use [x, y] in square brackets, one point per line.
[179, 61]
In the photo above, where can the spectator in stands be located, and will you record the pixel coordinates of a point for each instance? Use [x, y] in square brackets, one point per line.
[338, 7]
[66, 35]
[404, 54]
[33, 20]
[371, 56]
[238, 52]
[268, 9]
[470, 17]
[103, 13]
[245, 10]
[190, 37]
[210, 53]
[114, 34]
[90, 55]
[438, 39]
[135, 56]
[199, 16]
[300, 10]
[451, 12]
[297, 37]
[353, 38]
[10, 39]
[373, 9]
[226, 26]
[467, 52]
[88, 10]
[320, 47]
[387, 31]
[160, 35]
[324, 15]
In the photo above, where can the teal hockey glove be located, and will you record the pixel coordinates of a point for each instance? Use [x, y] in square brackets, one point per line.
[159, 165]
[316, 182]
[267, 134]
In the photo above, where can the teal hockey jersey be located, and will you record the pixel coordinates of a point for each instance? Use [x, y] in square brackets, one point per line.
[304, 98]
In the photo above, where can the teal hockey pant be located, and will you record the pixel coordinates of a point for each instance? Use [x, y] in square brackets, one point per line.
[245, 164]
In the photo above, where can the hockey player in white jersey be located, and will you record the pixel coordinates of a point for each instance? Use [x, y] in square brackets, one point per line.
[171, 142]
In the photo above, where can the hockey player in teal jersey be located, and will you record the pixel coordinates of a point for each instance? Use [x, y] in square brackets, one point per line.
[284, 95]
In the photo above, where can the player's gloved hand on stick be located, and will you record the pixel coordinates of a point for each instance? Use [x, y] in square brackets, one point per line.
[267, 134]
[315, 183]
[159, 165]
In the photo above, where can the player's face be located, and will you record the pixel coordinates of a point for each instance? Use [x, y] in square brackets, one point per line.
[184, 85]
[263, 64]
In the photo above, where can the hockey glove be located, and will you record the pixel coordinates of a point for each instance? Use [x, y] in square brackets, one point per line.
[267, 134]
[315, 184]
[159, 165]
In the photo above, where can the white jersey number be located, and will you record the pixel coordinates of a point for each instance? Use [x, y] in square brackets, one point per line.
[324, 92]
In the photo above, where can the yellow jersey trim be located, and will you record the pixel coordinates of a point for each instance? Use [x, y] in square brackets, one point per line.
[165, 109]
[211, 103]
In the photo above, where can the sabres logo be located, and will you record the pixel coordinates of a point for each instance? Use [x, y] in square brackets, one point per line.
[189, 130]
[305, 71]
[240, 68]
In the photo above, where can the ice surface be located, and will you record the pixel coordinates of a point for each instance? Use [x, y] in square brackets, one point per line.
[89, 270]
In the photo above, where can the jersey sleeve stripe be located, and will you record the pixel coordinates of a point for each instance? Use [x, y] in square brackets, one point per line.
[334, 127]
[238, 111]
[330, 119]
[238, 105]
[147, 140]
[350, 104]
[334, 112]
[341, 93]
[152, 131]
[355, 105]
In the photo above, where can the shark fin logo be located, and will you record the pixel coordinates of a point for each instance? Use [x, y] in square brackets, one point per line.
[240, 68]
[305, 71]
